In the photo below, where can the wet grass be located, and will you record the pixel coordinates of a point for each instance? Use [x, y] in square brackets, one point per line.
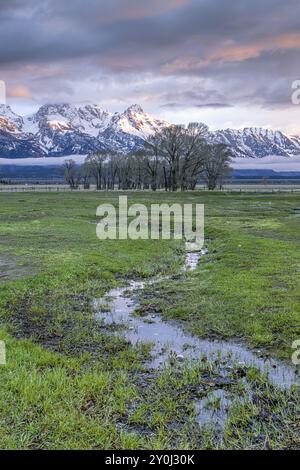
[70, 383]
[248, 286]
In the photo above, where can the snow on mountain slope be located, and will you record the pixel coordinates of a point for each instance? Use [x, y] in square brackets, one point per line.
[7, 113]
[57, 130]
[14, 145]
[13, 141]
[126, 130]
[134, 120]
[257, 142]
[65, 129]
[89, 119]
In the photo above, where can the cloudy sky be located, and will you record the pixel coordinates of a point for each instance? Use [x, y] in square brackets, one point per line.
[229, 63]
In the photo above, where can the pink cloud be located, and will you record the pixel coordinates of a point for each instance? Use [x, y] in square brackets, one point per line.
[231, 52]
[19, 92]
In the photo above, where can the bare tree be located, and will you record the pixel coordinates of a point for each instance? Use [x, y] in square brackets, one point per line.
[174, 157]
[216, 164]
[125, 173]
[171, 147]
[153, 158]
[86, 174]
[138, 168]
[176, 153]
[95, 163]
[192, 158]
[166, 147]
[112, 168]
[71, 173]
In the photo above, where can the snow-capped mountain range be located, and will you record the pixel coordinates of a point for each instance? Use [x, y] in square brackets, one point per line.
[64, 129]
[256, 142]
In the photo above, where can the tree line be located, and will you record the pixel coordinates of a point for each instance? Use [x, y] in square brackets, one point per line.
[173, 158]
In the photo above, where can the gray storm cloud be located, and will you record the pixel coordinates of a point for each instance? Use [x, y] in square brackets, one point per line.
[173, 54]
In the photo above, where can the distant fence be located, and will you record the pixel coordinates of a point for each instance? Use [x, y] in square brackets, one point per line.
[232, 188]
[39, 188]
[261, 188]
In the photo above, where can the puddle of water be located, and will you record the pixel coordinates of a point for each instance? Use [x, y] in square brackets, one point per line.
[213, 409]
[9, 269]
[168, 339]
[192, 259]
[6, 264]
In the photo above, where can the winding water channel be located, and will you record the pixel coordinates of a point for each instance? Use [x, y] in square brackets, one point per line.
[169, 340]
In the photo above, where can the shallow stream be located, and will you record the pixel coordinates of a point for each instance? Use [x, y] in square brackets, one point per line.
[169, 341]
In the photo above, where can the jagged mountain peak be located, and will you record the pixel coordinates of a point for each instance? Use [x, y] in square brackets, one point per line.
[60, 129]
[261, 131]
[134, 109]
[5, 108]
[135, 121]
[69, 111]
[12, 119]
[256, 142]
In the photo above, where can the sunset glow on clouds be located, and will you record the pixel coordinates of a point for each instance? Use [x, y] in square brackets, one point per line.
[18, 92]
[226, 63]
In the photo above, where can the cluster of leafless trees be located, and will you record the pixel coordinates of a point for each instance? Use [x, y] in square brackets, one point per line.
[173, 158]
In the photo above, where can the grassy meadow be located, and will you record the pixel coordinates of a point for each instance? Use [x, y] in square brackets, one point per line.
[69, 383]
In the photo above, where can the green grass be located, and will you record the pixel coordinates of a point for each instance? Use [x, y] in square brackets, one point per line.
[70, 384]
[249, 285]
